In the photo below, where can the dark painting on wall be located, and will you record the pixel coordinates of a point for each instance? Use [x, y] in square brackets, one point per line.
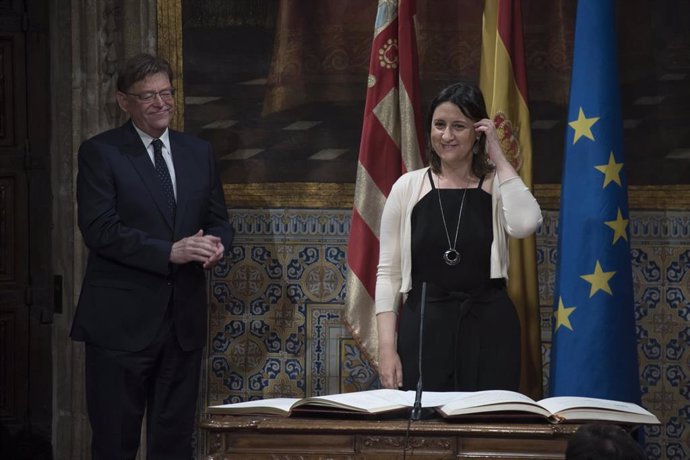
[278, 86]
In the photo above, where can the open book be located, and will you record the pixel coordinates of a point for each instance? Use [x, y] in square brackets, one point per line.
[452, 404]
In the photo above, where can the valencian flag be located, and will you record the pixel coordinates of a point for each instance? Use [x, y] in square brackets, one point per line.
[594, 344]
[390, 146]
[503, 81]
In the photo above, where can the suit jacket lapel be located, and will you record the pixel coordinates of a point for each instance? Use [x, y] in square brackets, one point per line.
[137, 154]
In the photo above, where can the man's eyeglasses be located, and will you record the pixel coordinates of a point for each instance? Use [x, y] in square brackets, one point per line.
[148, 96]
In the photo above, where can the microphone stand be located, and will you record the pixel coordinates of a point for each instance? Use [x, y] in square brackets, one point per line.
[417, 407]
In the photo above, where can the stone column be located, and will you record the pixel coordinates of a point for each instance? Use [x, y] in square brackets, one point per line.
[89, 40]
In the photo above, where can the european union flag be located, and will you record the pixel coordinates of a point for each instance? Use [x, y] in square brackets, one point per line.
[594, 349]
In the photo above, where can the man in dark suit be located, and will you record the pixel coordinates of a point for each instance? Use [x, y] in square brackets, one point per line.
[153, 215]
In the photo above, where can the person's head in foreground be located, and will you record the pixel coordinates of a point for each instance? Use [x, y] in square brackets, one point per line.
[603, 442]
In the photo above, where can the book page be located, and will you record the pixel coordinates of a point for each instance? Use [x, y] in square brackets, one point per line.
[429, 398]
[439, 398]
[492, 401]
[261, 406]
[563, 405]
[370, 401]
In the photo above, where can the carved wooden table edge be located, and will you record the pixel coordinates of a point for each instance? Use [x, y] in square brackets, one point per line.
[267, 423]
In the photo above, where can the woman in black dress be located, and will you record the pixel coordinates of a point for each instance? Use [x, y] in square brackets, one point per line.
[447, 226]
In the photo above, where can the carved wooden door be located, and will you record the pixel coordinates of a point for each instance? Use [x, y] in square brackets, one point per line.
[26, 282]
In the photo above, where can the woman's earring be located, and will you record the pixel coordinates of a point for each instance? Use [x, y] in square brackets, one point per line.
[475, 148]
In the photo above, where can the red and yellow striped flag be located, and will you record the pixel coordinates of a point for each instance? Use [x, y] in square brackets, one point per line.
[391, 144]
[503, 80]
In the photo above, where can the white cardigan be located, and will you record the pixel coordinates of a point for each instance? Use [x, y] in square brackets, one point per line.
[515, 212]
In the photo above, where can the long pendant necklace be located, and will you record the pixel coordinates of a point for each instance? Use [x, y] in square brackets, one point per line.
[451, 256]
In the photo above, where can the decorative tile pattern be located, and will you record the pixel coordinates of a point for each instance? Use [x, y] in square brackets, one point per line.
[275, 306]
[275, 325]
[661, 262]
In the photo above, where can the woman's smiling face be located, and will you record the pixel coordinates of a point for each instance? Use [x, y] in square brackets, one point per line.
[452, 134]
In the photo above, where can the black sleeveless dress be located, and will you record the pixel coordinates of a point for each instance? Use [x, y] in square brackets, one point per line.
[471, 328]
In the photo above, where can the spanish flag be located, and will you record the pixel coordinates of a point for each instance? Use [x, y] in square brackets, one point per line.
[502, 79]
[391, 144]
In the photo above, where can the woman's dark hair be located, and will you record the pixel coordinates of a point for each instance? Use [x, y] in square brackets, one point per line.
[139, 67]
[470, 101]
[603, 442]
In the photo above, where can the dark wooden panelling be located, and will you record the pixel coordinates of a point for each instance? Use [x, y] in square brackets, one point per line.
[6, 106]
[7, 221]
[25, 222]
[7, 364]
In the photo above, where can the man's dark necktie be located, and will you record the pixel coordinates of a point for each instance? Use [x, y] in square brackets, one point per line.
[164, 175]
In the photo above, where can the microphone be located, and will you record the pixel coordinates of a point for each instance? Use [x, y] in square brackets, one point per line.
[417, 407]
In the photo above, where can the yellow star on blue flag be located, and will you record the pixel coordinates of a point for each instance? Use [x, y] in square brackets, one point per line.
[583, 126]
[619, 226]
[562, 315]
[611, 170]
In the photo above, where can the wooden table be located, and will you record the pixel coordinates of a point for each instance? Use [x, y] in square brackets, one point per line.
[310, 438]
